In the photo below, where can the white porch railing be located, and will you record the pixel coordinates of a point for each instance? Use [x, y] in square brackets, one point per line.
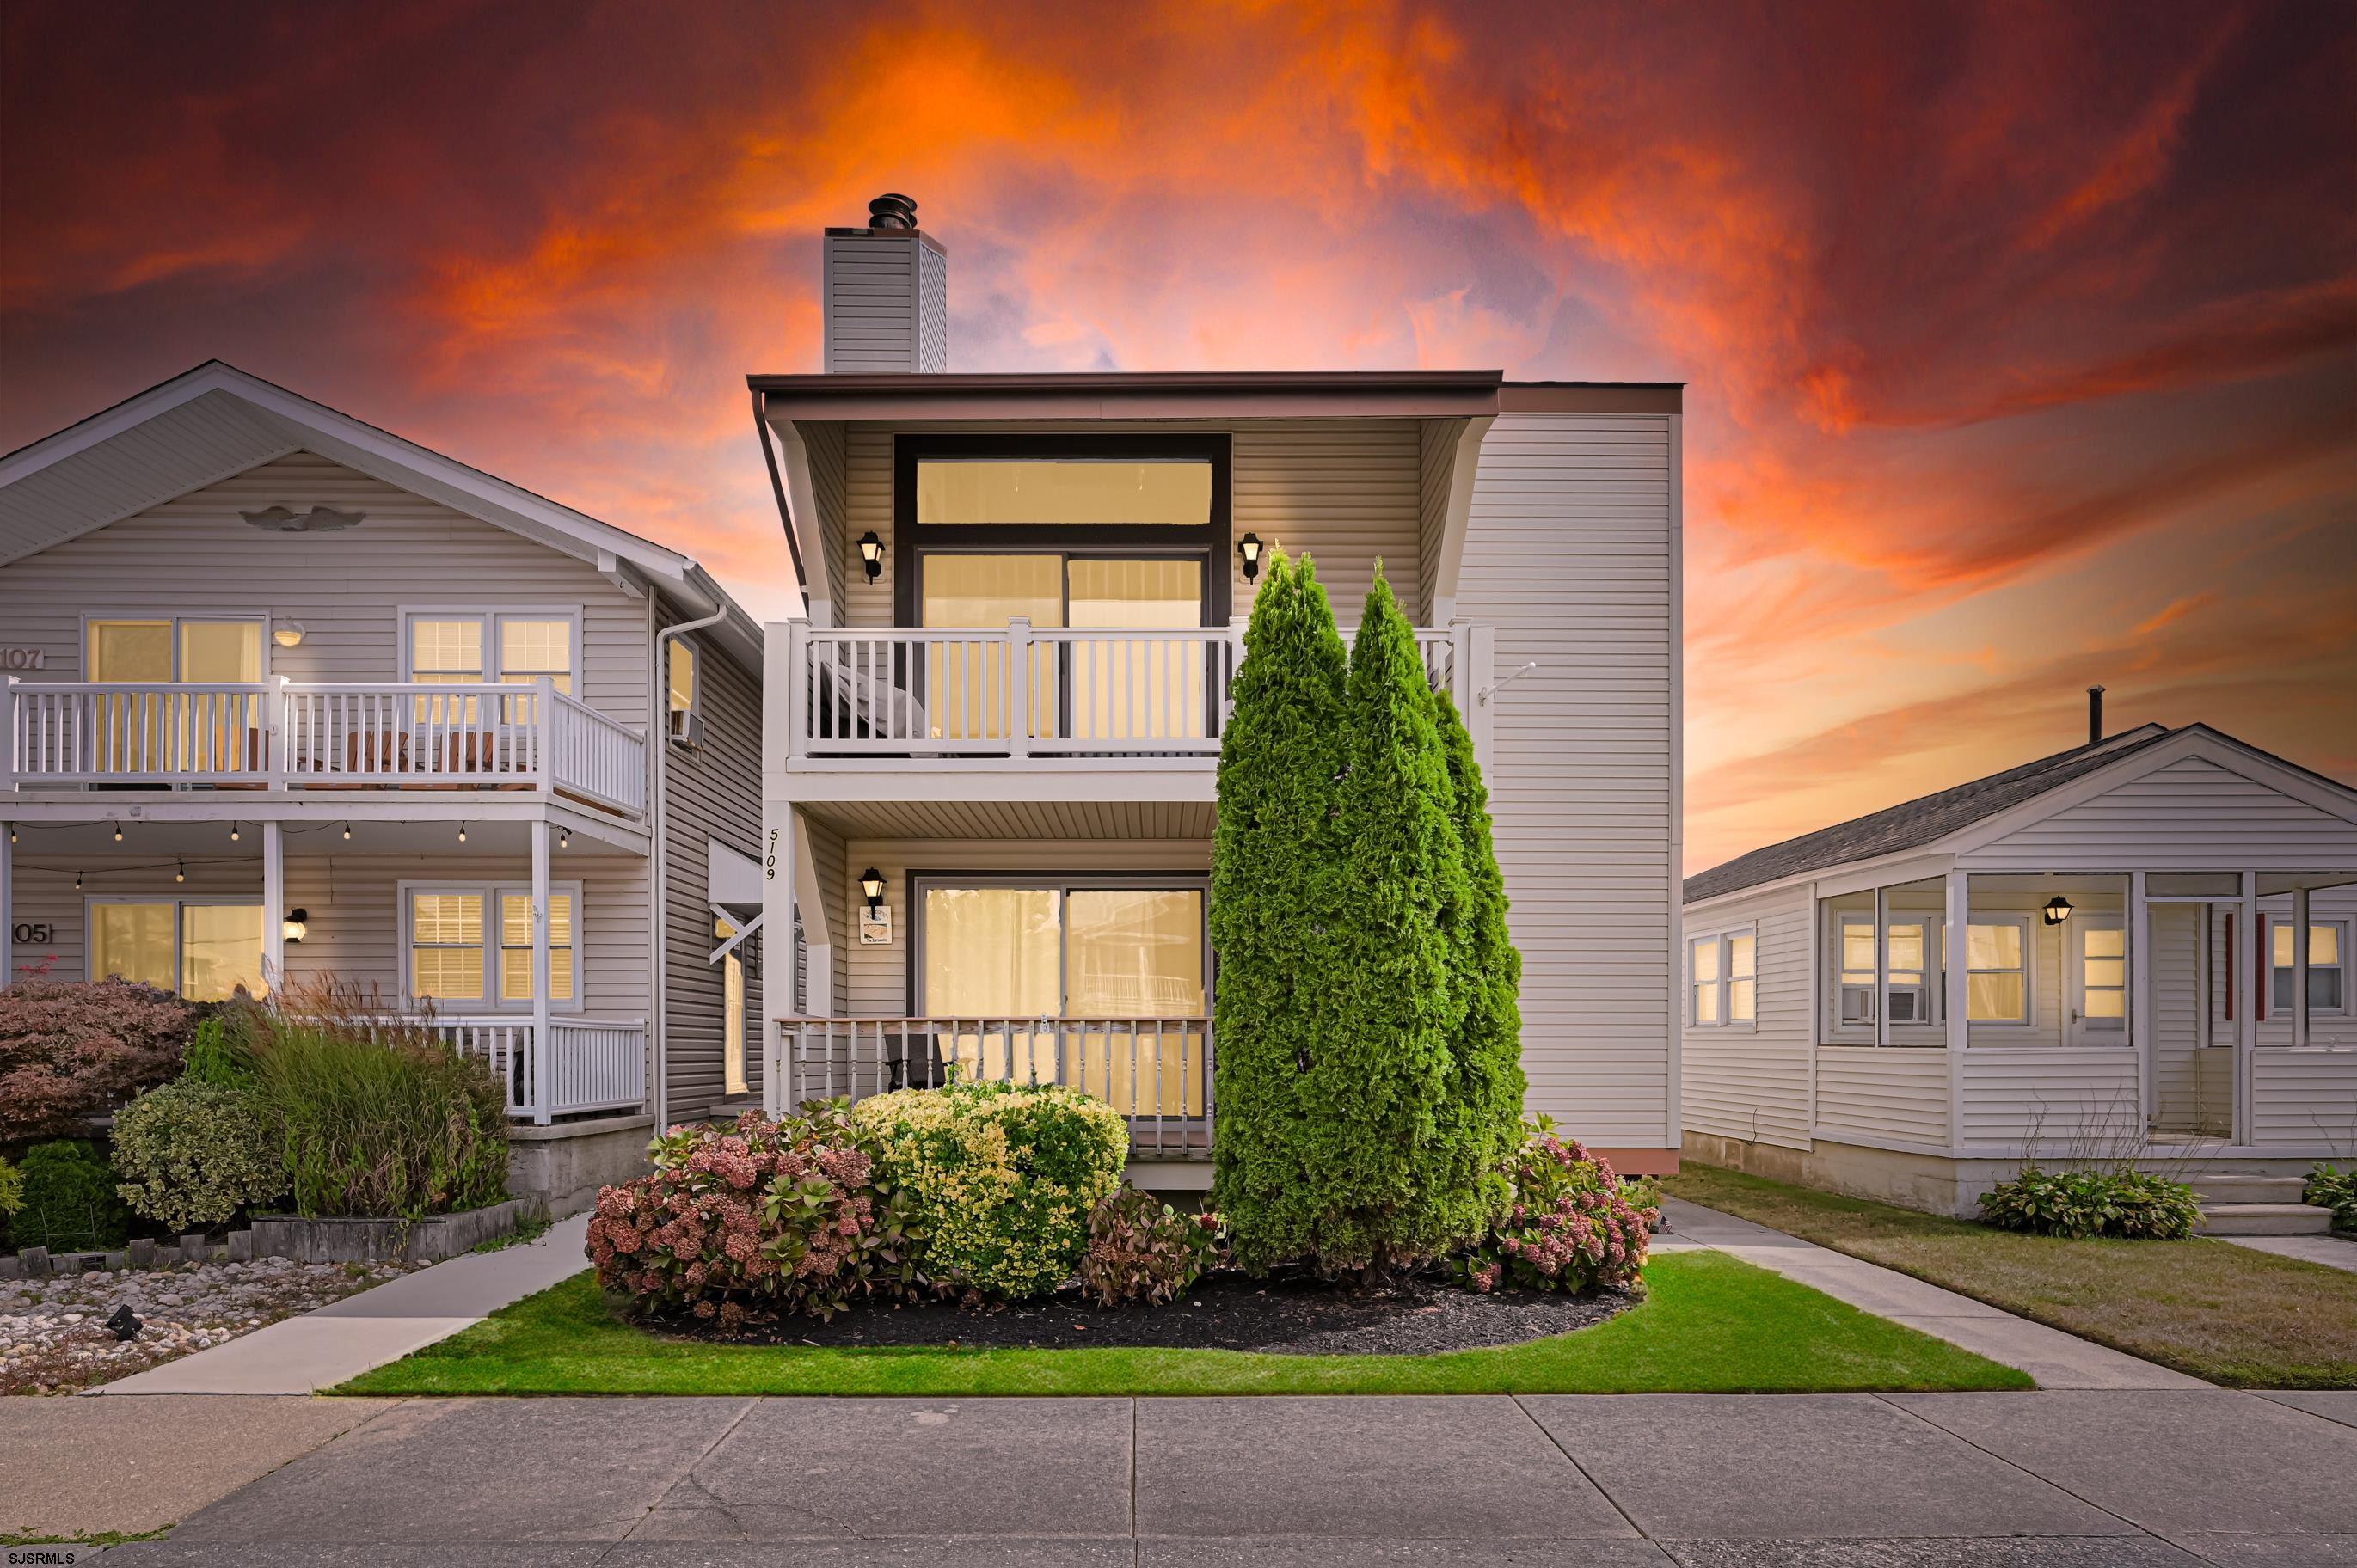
[405, 736]
[593, 1064]
[1022, 691]
[1156, 1071]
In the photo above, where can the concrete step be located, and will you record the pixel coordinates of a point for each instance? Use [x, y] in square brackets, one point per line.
[2262, 1220]
[2248, 1189]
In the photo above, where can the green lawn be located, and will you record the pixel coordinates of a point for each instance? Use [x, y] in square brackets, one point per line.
[2224, 1313]
[1710, 1325]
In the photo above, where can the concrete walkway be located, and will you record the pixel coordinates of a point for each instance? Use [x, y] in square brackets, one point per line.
[2332, 1252]
[2058, 1360]
[2140, 1479]
[345, 1339]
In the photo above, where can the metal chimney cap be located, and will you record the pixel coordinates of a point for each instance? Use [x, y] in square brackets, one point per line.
[892, 211]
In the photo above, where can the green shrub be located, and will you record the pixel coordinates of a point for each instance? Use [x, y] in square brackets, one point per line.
[69, 1203]
[218, 1054]
[388, 1122]
[191, 1154]
[1274, 863]
[70, 1051]
[1571, 1225]
[12, 1189]
[2077, 1204]
[1001, 1177]
[787, 1215]
[1142, 1250]
[2330, 1187]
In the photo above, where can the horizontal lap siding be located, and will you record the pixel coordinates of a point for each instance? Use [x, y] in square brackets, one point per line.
[1569, 556]
[1754, 1083]
[197, 556]
[711, 794]
[836, 897]
[2084, 1100]
[2187, 815]
[871, 305]
[1896, 1095]
[2305, 1097]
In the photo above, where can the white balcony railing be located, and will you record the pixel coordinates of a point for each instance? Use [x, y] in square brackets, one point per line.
[1156, 1071]
[407, 736]
[905, 692]
[592, 1064]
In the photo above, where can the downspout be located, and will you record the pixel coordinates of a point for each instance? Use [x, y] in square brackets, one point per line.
[659, 737]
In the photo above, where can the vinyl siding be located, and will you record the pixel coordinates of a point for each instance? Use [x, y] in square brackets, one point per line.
[1898, 1095]
[2081, 1101]
[195, 555]
[2304, 1098]
[839, 898]
[2187, 815]
[712, 794]
[870, 305]
[932, 309]
[1568, 554]
[1347, 492]
[1754, 1083]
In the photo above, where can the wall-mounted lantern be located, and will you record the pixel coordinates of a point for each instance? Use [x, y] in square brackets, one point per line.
[2057, 910]
[1249, 548]
[871, 554]
[295, 926]
[871, 886]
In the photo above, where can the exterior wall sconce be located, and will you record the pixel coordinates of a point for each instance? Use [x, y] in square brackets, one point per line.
[871, 554]
[286, 633]
[871, 886]
[1249, 548]
[294, 928]
[2057, 910]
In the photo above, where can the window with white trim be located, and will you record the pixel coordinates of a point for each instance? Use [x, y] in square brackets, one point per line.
[2328, 967]
[459, 955]
[203, 949]
[510, 648]
[732, 1010]
[1996, 970]
[1723, 979]
[679, 677]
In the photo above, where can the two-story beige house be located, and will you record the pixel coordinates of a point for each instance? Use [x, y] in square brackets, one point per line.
[291, 698]
[989, 758]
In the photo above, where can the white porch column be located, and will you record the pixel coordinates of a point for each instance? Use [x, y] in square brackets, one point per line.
[543, 1054]
[274, 906]
[2299, 937]
[2140, 980]
[1956, 1000]
[1881, 967]
[2247, 986]
[8, 909]
[779, 831]
[818, 933]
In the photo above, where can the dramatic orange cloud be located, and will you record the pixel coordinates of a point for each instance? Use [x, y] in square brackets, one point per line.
[2020, 338]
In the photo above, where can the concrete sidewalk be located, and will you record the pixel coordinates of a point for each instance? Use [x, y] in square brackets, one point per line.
[345, 1339]
[2058, 1360]
[2023, 1480]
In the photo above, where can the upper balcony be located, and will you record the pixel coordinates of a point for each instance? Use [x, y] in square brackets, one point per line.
[373, 739]
[1059, 706]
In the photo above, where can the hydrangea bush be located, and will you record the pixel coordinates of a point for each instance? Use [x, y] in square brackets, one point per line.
[790, 1216]
[1144, 1251]
[190, 1154]
[1001, 1176]
[1571, 1226]
[2077, 1204]
[70, 1051]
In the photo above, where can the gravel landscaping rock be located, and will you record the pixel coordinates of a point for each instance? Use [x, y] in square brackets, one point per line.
[53, 1333]
[1285, 1314]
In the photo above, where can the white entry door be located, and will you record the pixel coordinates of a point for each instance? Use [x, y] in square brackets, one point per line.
[2099, 981]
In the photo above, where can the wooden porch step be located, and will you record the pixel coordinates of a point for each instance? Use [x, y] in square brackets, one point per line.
[2262, 1220]
[2238, 1189]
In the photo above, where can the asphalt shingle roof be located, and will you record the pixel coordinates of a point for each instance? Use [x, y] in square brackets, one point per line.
[1914, 824]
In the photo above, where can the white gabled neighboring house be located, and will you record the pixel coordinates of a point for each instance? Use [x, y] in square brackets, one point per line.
[2138, 949]
[267, 665]
[992, 741]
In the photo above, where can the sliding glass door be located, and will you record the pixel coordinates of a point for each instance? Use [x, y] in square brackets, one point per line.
[1101, 986]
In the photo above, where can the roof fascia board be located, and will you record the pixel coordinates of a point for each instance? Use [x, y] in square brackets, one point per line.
[1853, 876]
[107, 423]
[917, 397]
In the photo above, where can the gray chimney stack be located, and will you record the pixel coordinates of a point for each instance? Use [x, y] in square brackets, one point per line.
[886, 294]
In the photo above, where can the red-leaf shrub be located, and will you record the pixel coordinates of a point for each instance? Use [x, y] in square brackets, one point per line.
[1571, 1226]
[70, 1051]
[1142, 1250]
[758, 1215]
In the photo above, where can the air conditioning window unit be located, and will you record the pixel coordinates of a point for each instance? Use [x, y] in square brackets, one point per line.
[687, 728]
[1909, 1004]
[1857, 1004]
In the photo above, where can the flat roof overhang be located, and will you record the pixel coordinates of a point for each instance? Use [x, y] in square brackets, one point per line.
[1196, 394]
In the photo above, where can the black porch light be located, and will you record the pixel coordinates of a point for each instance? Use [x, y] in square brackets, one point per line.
[871, 885]
[871, 554]
[2057, 910]
[1249, 548]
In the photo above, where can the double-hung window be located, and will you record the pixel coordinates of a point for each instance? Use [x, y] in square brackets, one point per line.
[2328, 966]
[470, 648]
[470, 946]
[1996, 970]
[1723, 983]
[204, 949]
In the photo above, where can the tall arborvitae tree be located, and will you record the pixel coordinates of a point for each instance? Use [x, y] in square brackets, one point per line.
[1274, 874]
[1484, 1100]
[1391, 1001]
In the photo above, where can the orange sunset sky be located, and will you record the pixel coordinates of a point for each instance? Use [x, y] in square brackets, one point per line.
[2021, 339]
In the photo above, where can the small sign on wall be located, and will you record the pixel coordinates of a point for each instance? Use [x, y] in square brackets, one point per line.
[33, 933]
[15, 658]
[875, 927]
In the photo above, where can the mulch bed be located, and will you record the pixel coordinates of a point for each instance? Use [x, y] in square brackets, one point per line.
[1285, 1314]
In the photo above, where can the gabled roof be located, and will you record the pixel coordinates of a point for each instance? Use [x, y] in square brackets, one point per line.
[1917, 822]
[216, 421]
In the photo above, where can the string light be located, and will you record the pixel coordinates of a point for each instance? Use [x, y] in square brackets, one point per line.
[11, 833]
[462, 832]
[77, 881]
[347, 832]
[232, 833]
[565, 838]
[179, 870]
[118, 832]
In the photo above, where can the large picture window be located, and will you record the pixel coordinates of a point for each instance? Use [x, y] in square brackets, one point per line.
[206, 951]
[465, 948]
